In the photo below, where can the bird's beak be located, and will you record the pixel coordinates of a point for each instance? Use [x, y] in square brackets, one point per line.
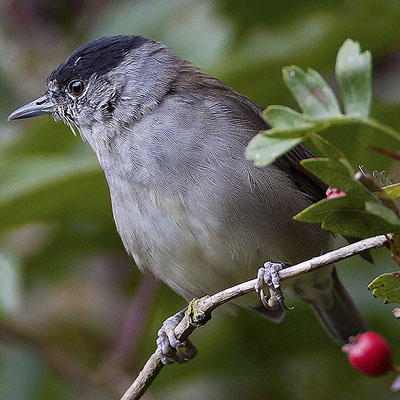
[42, 105]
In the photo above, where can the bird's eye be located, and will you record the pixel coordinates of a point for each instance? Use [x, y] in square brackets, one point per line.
[76, 87]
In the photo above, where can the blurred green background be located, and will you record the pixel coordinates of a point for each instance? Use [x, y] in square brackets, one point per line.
[77, 321]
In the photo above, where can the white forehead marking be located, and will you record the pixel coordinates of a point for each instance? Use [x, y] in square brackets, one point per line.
[76, 62]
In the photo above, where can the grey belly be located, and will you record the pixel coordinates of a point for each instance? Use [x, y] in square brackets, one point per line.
[197, 249]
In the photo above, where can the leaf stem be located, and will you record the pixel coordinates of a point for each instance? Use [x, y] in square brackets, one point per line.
[318, 126]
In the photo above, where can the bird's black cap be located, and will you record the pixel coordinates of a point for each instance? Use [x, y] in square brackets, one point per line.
[99, 56]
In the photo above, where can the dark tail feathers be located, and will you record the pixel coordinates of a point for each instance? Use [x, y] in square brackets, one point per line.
[343, 319]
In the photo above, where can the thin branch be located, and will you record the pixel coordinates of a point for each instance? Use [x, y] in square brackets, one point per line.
[199, 311]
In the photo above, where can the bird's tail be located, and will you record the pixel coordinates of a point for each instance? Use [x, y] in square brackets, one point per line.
[342, 319]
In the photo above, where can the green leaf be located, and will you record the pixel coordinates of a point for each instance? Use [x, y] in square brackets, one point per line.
[378, 209]
[336, 174]
[387, 287]
[287, 123]
[353, 73]
[313, 94]
[357, 224]
[393, 191]
[346, 215]
[264, 150]
[326, 148]
[318, 211]
[289, 133]
[285, 118]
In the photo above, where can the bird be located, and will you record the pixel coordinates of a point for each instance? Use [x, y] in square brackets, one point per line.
[186, 202]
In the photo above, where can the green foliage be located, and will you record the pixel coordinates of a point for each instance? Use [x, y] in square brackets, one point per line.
[336, 173]
[276, 148]
[387, 287]
[319, 105]
[365, 208]
[350, 216]
[393, 191]
[361, 213]
[353, 72]
[327, 149]
[312, 93]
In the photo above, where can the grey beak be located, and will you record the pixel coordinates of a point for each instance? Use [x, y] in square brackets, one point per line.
[40, 106]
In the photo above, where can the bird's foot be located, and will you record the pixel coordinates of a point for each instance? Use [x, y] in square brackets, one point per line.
[170, 348]
[269, 275]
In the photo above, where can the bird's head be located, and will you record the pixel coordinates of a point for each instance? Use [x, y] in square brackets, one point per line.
[110, 80]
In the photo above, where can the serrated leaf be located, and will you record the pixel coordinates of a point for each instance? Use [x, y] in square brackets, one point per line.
[357, 223]
[313, 94]
[326, 148]
[287, 123]
[264, 150]
[353, 73]
[392, 191]
[284, 117]
[346, 215]
[378, 209]
[318, 211]
[387, 287]
[335, 173]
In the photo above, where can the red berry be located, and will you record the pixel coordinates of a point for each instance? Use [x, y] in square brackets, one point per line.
[369, 353]
[332, 193]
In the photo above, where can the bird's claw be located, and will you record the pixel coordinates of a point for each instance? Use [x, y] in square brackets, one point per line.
[269, 275]
[170, 348]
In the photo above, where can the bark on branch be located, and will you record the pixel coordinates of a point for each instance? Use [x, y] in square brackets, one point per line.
[199, 311]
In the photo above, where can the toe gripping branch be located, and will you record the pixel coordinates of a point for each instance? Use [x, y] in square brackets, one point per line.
[171, 347]
[180, 350]
[268, 275]
[195, 314]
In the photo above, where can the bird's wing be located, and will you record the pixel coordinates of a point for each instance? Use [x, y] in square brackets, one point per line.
[306, 182]
[244, 110]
